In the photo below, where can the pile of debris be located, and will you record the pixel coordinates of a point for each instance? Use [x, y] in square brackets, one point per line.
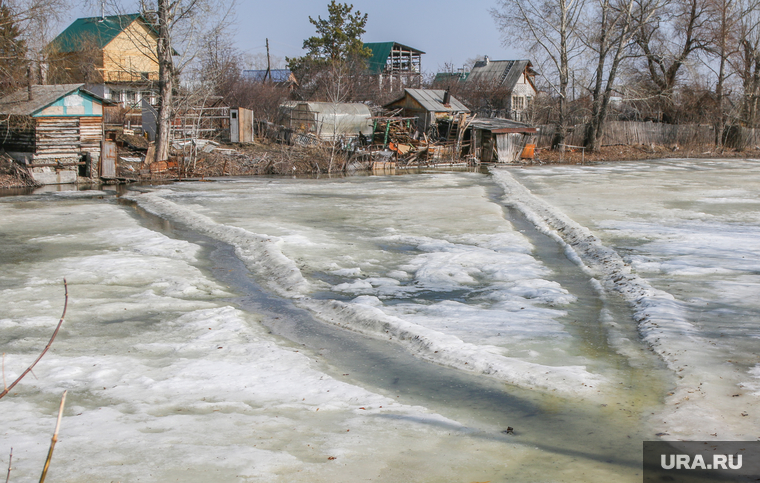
[15, 175]
[397, 142]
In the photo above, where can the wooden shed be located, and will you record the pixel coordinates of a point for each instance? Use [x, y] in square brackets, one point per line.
[428, 106]
[499, 140]
[55, 130]
[241, 125]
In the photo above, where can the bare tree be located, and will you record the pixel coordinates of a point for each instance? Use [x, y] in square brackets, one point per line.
[722, 47]
[24, 29]
[748, 61]
[547, 28]
[669, 33]
[608, 36]
[12, 51]
[259, 61]
[181, 26]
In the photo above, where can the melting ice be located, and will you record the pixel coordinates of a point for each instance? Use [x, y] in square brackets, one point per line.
[171, 378]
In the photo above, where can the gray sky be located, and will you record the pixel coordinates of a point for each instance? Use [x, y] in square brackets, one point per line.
[446, 30]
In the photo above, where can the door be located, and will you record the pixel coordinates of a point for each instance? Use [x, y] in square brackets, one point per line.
[245, 119]
[234, 126]
[108, 160]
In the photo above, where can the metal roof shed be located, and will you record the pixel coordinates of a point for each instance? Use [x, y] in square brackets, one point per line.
[501, 72]
[428, 105]
[499, 140]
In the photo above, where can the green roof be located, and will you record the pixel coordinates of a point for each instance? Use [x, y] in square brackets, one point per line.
[98, 29]
[380, 53]
[446, 77]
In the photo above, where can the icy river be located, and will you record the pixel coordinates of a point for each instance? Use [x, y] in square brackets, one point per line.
[530, 325]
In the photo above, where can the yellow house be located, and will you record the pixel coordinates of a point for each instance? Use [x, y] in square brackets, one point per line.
[114, 56]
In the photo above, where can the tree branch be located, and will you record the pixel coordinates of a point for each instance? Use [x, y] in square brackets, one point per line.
[29, 369]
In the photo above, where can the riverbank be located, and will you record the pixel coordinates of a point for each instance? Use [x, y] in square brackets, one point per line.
[271, 158]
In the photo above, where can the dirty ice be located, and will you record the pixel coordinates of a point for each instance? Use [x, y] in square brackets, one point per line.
[223, 330]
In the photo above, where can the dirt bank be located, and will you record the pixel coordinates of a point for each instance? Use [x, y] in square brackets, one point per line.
[271, 158]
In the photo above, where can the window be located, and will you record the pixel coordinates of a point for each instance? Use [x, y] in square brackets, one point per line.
[128, 97]
[518, 103]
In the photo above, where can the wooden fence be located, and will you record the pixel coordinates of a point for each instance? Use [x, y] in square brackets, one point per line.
[647, 133]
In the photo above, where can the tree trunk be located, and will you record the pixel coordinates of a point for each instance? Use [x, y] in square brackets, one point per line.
[719, 88]
[564, 76]
[165, 81]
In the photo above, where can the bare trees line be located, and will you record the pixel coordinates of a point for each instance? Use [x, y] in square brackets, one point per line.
[674, 61]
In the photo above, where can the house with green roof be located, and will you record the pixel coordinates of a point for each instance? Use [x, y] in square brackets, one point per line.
[114, 56]
[397, 66]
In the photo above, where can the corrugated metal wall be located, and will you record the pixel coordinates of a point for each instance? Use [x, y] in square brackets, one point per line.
[510, 146]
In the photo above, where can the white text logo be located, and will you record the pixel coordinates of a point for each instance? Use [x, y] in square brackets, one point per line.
[684, 461]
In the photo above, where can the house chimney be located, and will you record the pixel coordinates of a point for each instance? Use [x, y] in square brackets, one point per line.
[487, 59]
[446, 97]
[29, 81]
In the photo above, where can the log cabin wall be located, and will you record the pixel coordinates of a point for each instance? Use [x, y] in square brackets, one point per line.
[90, 134]
[17, 134]
[56, 136]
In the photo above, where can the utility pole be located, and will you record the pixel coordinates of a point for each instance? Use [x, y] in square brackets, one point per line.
[269, 69]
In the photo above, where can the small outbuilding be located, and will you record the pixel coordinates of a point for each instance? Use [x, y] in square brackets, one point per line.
[499, 140]
[428, 106]
[56, 130]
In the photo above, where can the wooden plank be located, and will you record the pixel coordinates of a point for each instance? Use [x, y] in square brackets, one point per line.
[515, 130]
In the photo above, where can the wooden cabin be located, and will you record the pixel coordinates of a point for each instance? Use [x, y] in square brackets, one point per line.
[56, 130]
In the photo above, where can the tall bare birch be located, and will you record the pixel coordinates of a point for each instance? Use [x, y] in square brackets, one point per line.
[547, 28]
[609, 35]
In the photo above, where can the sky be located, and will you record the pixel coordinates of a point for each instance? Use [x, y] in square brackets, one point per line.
[448, 31]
